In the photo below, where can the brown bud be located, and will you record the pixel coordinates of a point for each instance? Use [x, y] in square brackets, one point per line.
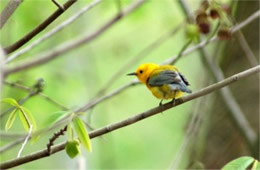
[224, 34]
[201, 17]
[204, 27]
[214, 14]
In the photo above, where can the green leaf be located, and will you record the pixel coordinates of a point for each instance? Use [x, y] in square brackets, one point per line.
[30, 117]
[10, 119]
[55, 117]
[24, 120]
[11, 101]
[256, 165]
[82, 133]
[72, 148]
[239, 164]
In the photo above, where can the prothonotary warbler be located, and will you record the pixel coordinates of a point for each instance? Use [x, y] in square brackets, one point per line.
[165, 81]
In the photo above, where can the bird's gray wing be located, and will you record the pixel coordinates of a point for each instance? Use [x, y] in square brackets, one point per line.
[172, 78]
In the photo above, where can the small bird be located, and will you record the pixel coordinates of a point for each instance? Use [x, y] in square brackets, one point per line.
[165, 81]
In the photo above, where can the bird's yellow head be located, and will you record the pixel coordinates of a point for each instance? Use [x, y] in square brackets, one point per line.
[143, 71]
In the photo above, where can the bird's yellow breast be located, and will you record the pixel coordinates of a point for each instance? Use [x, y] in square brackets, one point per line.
[165, 92]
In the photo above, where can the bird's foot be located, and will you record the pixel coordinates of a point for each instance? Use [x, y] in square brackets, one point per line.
[160, 104]
[173, 101]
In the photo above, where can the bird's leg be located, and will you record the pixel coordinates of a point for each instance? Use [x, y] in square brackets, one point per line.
[173, 101]
[160, 102]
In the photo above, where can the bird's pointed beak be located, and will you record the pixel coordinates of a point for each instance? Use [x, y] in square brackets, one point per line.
[132, 74]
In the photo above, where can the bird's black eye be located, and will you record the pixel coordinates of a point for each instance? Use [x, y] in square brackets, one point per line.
[141, 71]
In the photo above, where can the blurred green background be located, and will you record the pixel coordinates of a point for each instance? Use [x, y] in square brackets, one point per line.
[75, 78]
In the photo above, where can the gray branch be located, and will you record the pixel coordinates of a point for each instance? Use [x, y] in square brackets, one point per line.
[8, 11]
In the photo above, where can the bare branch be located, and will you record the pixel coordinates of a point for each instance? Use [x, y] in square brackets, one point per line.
[11, 144]
[47, 98]
[245, 47]
[8, 11]
[53, 31]
[120, 124]
[91, 104]
[38, 29]
[72, 44]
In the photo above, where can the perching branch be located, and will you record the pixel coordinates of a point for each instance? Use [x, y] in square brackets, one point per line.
[39, 28]
[120, 124]
[53, 31]
[72, 44]
[8, 11]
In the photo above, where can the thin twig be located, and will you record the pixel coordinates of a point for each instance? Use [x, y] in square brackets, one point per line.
[53, 31]
[40, 94]
[2, 64]
[58, 5]
[136, 118]
[29, 133]
[21, 101]
[8, 11]
[10, 136]
[25, 141]
[11, 145]
[91, 104]
[185, 7]
[180, 54]
[246, 48]
[55, 137]
[38, 29]
[49, 55]
[119, 5]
